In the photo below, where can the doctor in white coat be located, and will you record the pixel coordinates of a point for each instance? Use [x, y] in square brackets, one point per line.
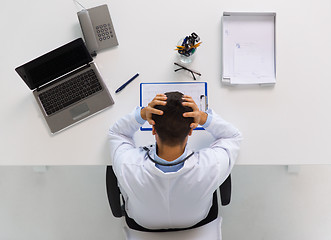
[168, 186]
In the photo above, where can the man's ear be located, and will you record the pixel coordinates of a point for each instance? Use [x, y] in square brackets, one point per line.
[190, 132]
[153, 130]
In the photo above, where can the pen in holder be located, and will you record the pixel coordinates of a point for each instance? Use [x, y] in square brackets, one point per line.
[187, 46]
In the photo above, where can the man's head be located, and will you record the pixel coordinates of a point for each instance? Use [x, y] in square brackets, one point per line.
[171, 127]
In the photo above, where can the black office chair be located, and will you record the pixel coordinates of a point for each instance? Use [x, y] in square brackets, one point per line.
[118, 210]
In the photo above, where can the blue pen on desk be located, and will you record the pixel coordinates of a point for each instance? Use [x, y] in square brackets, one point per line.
[125, 84]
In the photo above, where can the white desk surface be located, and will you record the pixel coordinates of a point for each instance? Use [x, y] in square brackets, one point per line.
[289, 123]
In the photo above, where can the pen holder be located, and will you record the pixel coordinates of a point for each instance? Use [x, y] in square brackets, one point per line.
[186, 47]
[185, 57]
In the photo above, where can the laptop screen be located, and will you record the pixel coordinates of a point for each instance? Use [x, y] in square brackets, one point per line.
[54, 64]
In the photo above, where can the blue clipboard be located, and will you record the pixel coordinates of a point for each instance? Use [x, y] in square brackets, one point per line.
[198, 91]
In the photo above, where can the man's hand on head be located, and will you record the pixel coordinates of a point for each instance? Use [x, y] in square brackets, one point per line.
[146, 113]
[199, 117]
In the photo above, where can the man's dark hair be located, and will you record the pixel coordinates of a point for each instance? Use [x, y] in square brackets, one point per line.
[172, 127]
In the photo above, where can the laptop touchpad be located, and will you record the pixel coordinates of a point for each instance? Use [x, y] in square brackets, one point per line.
[79, 111]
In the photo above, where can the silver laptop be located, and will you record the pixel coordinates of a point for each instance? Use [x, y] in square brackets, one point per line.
[66, 84]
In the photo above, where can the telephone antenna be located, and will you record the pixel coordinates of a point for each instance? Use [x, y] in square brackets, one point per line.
[79, 4]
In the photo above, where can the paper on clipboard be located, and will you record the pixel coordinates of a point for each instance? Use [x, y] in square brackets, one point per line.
[249, 48]
[197, 90]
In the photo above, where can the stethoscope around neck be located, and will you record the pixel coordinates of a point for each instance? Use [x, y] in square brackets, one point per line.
[165, 164]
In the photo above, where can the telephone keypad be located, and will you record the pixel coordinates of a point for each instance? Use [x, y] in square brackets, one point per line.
[104, 32]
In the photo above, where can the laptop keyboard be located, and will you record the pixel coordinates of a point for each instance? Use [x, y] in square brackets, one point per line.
[69, 92]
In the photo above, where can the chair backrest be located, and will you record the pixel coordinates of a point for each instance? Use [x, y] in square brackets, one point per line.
[225, 191]
[113, 193]
[114, 198]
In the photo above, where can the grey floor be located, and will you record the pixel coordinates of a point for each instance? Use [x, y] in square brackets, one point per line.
[70, 203]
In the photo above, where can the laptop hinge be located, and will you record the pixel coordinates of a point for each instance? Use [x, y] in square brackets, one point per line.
[62, 77]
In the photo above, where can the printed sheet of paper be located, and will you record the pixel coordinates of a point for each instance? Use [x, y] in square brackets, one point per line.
[249, 49]
[197, 90]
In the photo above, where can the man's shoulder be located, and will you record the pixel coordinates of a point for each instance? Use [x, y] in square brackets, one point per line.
[133, 156]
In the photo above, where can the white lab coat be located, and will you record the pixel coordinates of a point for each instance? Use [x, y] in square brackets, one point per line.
[155, 199]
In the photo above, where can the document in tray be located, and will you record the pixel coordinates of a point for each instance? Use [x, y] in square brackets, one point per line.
[249, 48]
[197, 90]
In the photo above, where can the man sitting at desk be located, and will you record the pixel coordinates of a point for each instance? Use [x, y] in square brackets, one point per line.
[167, 186]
